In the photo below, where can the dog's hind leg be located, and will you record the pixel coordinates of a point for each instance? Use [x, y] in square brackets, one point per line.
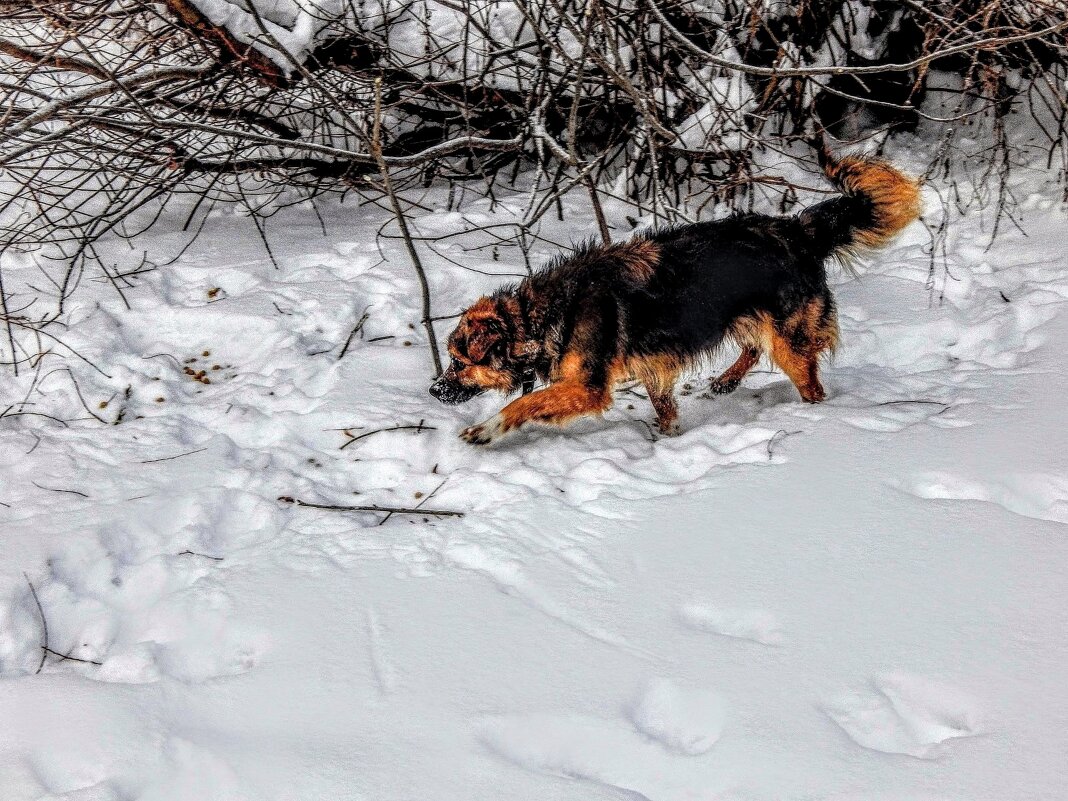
[796, 346]
[801, 367]
[729, 380]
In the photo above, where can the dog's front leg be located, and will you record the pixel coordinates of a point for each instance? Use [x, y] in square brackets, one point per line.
[555, 405]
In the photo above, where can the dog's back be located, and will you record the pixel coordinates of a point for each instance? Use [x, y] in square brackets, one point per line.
[721, 279]
[710, 274]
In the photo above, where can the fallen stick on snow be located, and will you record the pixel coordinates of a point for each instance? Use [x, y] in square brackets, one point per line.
[917, 400]
[44, 624]
[176, 456]
[358, 329]
[69, 658]
[419, 505]
[389, 510]
[353, 437]
[57, 489]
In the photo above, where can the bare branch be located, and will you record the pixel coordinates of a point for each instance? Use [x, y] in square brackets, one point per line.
[391, 510]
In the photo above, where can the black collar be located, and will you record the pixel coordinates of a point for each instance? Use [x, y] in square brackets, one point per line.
[528, 380]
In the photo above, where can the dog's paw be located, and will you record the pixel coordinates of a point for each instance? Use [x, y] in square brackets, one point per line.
[717, 387]
[485, 432]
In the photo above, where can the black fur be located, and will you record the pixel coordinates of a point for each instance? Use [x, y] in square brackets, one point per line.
[708, 275]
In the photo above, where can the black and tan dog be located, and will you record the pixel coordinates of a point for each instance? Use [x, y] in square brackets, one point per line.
[655, 305]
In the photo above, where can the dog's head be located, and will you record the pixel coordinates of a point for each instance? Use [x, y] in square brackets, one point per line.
[481, 355]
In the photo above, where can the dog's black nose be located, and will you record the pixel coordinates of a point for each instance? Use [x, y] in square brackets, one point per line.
[451, 393]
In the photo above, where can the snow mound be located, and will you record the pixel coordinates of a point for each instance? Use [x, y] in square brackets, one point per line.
[1038, 495]
[746, 624]
[685, 721]
[907, 715]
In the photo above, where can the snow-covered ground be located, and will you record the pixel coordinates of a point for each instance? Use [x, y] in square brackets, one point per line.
[865, 599]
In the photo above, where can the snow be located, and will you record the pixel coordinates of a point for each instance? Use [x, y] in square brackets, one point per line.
[906, 715]
[722, 116]
[685, 722]
[864, 599]
[757, 625]
[288, 31]
[284, 32]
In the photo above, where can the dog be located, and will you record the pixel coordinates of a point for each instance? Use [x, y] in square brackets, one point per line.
[651, 307]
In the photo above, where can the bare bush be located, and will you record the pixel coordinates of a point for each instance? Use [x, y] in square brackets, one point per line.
[112, 108]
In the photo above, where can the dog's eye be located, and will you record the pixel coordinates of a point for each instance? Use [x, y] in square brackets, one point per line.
[456, 365]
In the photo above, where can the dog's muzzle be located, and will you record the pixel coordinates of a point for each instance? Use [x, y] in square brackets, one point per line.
[452, 392]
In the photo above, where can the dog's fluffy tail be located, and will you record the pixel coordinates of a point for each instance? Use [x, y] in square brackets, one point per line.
[877, 201]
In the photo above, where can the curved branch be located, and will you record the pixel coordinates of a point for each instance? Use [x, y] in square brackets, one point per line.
[50, 59]
[102, 89]
[450, 147]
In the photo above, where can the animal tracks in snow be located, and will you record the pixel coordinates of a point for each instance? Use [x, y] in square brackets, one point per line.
[687, 722]
[141, 602]
[667, 725]
[756, 625]
[510, 579]
[906, 714]
[588, 748]
[1036, 495]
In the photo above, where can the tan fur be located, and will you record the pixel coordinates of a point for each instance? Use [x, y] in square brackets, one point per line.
[896, 196]
[661, 369]
[486, 377]
[482, 309]
[752, 331]
[639, 258]
[808, 323]
[475, 332]
[566, 398]
[472, 339]
[794, 344]
[659, 374]
[801, 368]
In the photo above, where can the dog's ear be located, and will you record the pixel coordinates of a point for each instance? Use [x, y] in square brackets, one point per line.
[486, 334]
[483, 329]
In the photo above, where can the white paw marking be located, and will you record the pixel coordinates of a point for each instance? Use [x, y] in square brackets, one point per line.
[485, 432]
